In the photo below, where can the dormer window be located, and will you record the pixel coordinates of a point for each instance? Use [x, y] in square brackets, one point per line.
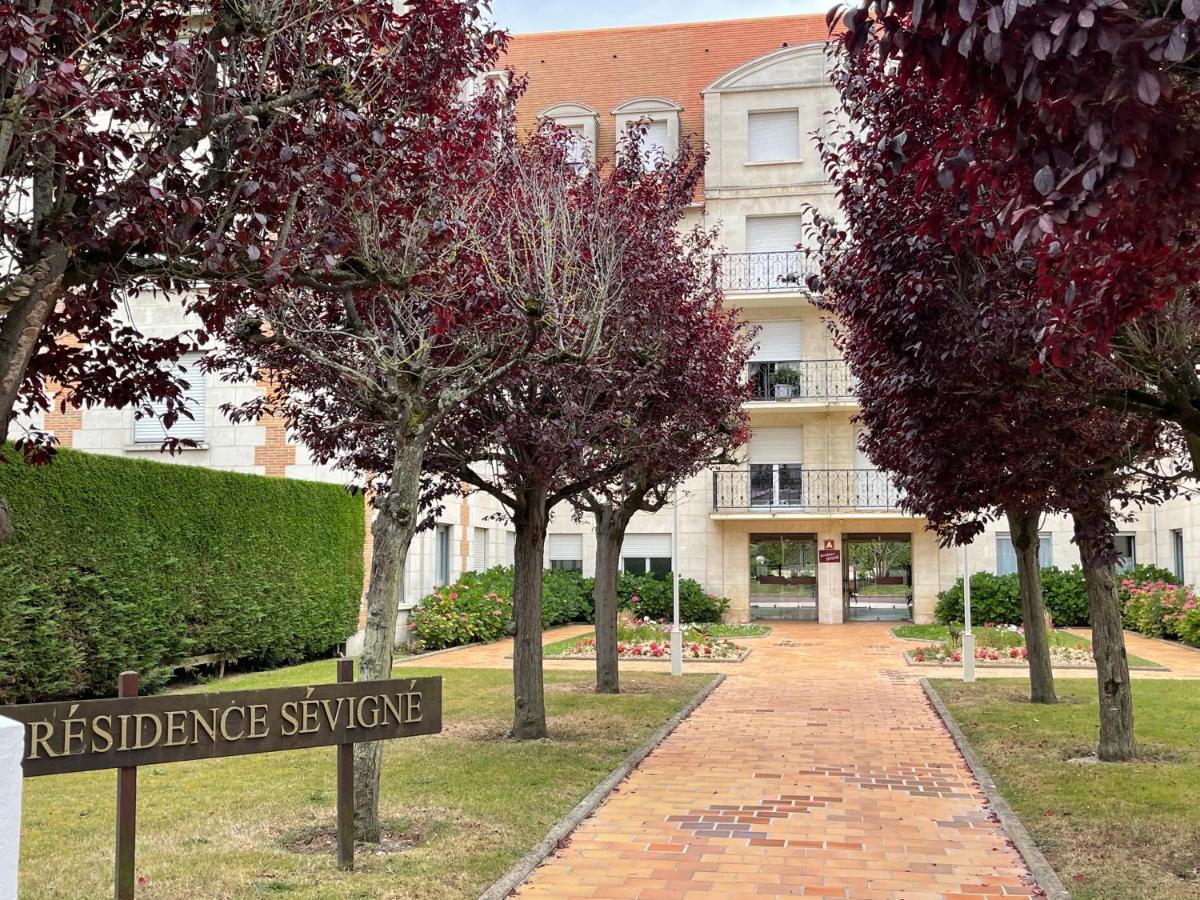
[583, 123]
[661, 120]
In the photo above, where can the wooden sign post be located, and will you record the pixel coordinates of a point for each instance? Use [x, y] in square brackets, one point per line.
[131, 731]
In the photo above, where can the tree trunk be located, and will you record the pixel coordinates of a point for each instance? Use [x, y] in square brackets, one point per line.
[610, 531]
[1023, 527]
[25, 306]
[1108, 640]
[529, 701]
[392, 533]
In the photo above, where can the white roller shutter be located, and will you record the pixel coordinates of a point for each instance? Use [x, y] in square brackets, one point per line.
[480, 550]
[646, 545]
[777, 445]
[778, 342]
[773, 136]
[768, 234]
[150, 430]
[565, 546]
[654, 140]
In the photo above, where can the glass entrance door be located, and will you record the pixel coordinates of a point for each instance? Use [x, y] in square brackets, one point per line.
[783, 576]
[877, 577]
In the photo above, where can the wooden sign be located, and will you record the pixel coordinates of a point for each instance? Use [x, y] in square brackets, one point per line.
[75, 736]
[130, 731]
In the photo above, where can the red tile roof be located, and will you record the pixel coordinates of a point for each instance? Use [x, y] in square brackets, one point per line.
[605, 67]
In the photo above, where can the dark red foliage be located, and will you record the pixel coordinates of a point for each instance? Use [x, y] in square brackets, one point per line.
[208, 152]
[941, 334]
[1088, 113]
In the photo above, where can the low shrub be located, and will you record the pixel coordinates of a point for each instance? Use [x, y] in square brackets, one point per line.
[1157, 608]
[460, 614]
[997, 598]
[466, 611]
[655, 598]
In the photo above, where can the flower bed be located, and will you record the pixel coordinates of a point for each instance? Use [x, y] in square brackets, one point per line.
[944, 655]
[711, 650]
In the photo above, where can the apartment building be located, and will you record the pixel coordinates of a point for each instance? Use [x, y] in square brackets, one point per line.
[804, 527]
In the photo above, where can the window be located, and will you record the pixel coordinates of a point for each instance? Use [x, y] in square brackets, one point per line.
[150, 430]
[1006, 553]
[577, 151]
[1177, 553]
[773, 234]
[773, 136]
[775, 369]
[510, 546]
[775, 467]
[1127, 549]
[566, 551]
[771, 258]
[654, 144]
[441, 554]
[646, 554]
[480, 550]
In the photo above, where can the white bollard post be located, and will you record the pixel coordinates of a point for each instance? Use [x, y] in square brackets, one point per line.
[12, 748]
[676, 634]
[968, 639]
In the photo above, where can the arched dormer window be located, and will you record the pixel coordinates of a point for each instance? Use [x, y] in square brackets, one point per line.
[662, 130]
[582, 121]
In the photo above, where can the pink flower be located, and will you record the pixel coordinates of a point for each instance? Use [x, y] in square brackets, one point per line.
[635, 599]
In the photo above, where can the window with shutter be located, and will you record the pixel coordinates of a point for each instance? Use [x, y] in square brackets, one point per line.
[646, 554]
[577, 150]
[1006, 553]
[770, 234]
[776, 469]
[150, 430]
[773, 136]
[480, 549]
[654, 144]
[566, 551]
[777, 342]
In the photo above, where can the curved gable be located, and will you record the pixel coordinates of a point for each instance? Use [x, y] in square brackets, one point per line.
[803, 64]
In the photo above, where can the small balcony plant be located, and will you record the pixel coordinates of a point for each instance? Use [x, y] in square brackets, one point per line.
[787, 382]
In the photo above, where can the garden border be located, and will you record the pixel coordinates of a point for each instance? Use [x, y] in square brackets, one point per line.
[1021, 666]
[561, 830]
[1041, 870]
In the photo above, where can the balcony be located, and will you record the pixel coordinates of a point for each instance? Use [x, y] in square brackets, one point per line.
[775, 271]
[807, 380]
[797, 489]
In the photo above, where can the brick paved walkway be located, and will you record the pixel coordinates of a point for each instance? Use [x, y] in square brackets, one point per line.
[816, 769]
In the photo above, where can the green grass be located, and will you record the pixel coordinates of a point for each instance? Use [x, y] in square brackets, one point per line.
[1002, 638]
[469, 801]
[1110, 830]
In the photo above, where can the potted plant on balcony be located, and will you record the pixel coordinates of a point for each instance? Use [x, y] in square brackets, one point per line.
[786, 382]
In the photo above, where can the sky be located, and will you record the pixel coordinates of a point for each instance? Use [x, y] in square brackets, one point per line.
[518, 16]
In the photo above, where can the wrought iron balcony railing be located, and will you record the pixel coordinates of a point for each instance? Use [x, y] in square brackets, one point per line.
[768, 271]
[825, 380]
[794, 488]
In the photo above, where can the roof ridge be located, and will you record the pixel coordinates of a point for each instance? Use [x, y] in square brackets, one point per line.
[703, 23]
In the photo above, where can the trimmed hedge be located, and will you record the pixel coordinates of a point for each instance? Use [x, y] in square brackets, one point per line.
[997, 598]
[129, 564]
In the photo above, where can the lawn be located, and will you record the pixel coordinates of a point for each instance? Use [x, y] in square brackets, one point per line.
[1002, 638]
[463, 805]
[1130, 830]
